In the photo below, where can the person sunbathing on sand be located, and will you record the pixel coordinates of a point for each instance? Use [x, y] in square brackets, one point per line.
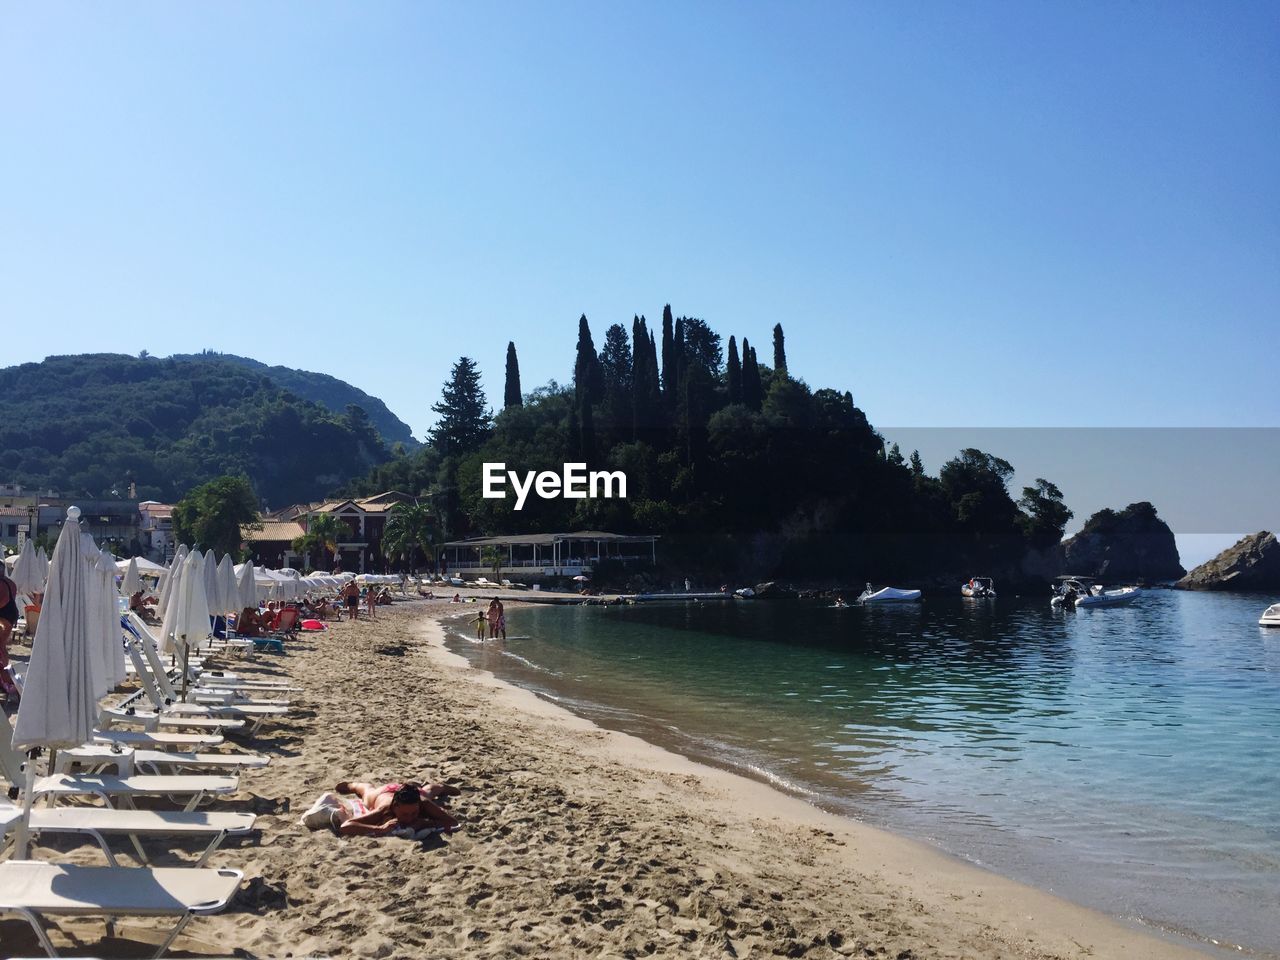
[397, 806]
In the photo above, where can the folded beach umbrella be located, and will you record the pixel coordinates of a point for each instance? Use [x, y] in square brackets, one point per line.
[132, 581]
[44, 563]
[228, 586]
[109, 650]
[248, 587]
[179, 557]
[167, 608]
[211, 591]
[58, 707]
[28, 572]
[191, 613]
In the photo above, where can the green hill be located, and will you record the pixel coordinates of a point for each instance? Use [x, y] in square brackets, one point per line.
[89, 425]
[330, 392]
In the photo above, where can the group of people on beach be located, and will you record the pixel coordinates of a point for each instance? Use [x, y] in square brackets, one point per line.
[494, 620]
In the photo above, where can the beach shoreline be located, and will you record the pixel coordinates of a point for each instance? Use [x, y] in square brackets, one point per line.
[1025, 920]
[577, 841]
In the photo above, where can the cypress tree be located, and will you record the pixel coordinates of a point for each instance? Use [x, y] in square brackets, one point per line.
[586, 365]
[734, 373]
[752, 392]
[511, 396]
[779, 350]
[587, 440]
[669, 382]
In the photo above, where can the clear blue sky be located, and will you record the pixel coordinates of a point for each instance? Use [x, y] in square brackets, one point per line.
[1002, 214]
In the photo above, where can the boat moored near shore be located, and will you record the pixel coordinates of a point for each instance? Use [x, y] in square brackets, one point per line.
[1270, 616]
[979, 588]
[888, 595]
[1083, 592]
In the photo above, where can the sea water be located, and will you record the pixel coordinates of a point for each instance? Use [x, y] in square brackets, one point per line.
[1126, 758]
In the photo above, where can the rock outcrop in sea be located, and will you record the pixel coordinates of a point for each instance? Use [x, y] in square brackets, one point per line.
[1132, 544]
[1252, 564]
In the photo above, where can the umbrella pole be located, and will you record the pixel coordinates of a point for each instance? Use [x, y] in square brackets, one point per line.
[22, 836]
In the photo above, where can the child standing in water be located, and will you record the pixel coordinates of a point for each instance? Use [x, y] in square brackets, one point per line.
[481, 621]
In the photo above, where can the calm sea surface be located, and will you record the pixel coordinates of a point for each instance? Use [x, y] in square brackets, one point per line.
[1126, 758]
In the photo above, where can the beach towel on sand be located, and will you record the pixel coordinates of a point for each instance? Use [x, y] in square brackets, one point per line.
[312, 626]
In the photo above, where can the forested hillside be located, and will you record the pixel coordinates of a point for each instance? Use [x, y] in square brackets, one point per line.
[89, 425]
[330, 392]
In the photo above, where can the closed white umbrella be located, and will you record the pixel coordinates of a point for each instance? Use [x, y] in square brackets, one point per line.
[44, 563]
[168, 607]
[132, 581]
[95, 642]
[191, 622]
[179, 557]
[107, 611]
[58, 706]
[228, 586]
[248, 587]
[28, 572]
[211, 592]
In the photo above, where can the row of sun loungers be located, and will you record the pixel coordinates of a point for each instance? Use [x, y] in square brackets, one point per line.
[155, 743]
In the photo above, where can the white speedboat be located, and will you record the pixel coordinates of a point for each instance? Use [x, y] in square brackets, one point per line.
[1270, 616]
[888, 595]
[979, 588]
[1109, 598]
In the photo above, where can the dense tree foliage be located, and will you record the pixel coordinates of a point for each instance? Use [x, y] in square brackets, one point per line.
[331, 393]
[744, 470]
[90, 425]
[213, 515]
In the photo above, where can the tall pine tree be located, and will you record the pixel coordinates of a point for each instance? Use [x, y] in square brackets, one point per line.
[464, 414]
[734, 373]
[511, 396]
[779, 350]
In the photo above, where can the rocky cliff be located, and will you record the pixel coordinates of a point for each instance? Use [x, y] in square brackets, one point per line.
[1132, 544]
[1252, 564]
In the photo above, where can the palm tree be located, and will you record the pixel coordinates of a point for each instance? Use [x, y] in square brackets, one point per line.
[323, 529]
[492, 558]
[412, 525]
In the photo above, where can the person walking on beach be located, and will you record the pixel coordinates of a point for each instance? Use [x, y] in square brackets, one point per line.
[502, 618]
[371, 601]
[482, 622]
[494, 614]
[8, 620]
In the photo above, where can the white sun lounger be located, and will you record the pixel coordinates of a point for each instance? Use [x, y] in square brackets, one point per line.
[124, 789]
[103, 822]
[100, 756]
[35, 890]
[152, 721]
[157, 740]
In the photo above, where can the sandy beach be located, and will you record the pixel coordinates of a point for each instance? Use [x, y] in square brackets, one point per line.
[576, 841]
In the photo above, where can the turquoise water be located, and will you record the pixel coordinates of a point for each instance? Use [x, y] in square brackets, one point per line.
[1125, 758]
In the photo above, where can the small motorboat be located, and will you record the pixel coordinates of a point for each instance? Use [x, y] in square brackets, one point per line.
[888, 595]
[1270, 616]
[1083, 592]
[979, 588]
[1109, 598]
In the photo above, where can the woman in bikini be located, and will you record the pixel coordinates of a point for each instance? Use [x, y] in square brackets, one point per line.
[396, 806]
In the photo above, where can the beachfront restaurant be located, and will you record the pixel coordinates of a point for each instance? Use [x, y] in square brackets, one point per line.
[550, 554]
